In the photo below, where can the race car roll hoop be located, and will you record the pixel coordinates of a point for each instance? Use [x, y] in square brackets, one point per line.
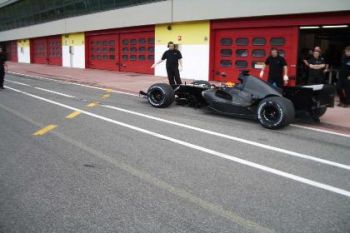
[251, 98]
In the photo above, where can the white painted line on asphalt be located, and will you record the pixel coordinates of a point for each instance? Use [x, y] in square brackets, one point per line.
[55, 92]
[38, 77]
[42, 89]
[76, 84]
[199, 148]
[19, 83]
[321, 130]
[104, 89]
[132, 94]
[237, 139]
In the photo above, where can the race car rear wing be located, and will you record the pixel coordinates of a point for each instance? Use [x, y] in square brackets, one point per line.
[311, 96]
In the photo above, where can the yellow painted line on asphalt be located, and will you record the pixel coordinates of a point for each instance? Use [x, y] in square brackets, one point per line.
[44, 130]
[93, 104]
[109, 90]
[105, 96]
[73, 114]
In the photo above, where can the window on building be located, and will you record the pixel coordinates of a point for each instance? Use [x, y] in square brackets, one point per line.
[30, 12]
[226, 41]
[277, 41]
[226, 63]
[242, 52]
[226, 52]
[258, 53]
[241, 64]
[260, 41]
[242, 41]
[133, 58]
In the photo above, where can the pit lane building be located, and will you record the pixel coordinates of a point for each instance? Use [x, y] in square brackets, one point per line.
[214, 36]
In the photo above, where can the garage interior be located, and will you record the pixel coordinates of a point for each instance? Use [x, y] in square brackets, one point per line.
[331, 39]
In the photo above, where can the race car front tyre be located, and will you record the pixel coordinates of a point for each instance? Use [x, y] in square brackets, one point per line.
[275, 112]
[160, 95]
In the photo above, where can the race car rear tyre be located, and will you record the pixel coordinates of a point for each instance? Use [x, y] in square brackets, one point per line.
[160, 95]
[201, 83]
[318, 112]
[275, 112]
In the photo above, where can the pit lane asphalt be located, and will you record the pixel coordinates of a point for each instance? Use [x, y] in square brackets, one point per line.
[89, 175]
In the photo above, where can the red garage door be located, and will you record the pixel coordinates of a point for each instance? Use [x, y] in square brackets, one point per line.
[38, 49]
[54, 46]
[11, 50]
[103, 52]
[246, 49]
[47, 50]
[137, 52]
[128, 50]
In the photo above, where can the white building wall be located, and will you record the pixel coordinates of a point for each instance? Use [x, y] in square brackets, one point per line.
[23, 51]
[73, 50]
[195, 61]
[75, 60]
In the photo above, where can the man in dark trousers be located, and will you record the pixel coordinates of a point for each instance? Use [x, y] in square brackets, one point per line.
[3, 59]
[278, 70]
[173, 59]
[343, 84]
[317, 65]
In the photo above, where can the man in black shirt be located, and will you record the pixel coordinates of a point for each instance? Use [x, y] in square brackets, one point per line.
[3, 59]
[343, 84]
[277, 69]
[317, 66]
[173, 59]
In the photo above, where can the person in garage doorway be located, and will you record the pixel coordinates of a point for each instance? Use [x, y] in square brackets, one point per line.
[3, 60]
[343, 84]
[317, 65]
[173, 59]
[278, 70]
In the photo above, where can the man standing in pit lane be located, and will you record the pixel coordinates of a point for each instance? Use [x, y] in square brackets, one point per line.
[343, 84]
[3, 60]
[317, 65]
[173, 59]
[278, 70]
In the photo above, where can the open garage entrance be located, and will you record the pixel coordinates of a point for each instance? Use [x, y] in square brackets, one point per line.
[332, 39]
[244, 43]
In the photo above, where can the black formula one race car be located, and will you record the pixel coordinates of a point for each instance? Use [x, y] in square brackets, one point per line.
[251, 98]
